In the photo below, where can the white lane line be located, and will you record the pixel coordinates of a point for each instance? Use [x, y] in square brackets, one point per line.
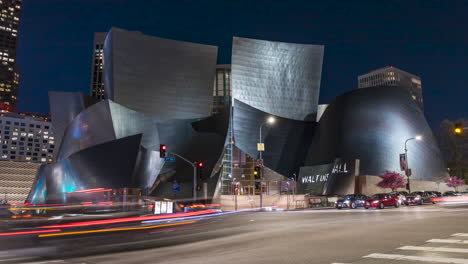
[46, 262]
[418, 258]
[435, 249]
[461, 234]
[448, 241]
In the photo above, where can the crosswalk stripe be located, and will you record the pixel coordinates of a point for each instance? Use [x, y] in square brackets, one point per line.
[417, 258]
[436, 249]
[461, 234]
[448, 241]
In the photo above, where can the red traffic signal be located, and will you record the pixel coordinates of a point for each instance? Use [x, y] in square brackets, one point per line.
[199, 169]
[162, 150]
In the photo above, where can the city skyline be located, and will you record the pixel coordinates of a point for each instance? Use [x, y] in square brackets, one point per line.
[356, 40]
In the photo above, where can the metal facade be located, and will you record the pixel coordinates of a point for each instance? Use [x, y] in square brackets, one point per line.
[108, 165]
[165, 78]
[282, 79]
[372, 125]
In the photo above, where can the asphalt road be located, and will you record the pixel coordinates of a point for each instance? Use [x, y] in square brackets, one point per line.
[319, 236]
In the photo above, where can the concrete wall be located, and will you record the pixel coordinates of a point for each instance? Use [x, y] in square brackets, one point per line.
[240, 202]
[367, 184]
[16, 180]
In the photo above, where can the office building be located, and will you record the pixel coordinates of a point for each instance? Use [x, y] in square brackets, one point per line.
[394, 77]
[97, 66]
[9, 73]
[26, 138]
[222, 88]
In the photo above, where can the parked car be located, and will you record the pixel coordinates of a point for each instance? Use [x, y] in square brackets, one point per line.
[414, 198]
[425, 196]
[401, 196]
[352, 201]
[451, 193]
[436, 193]
[382, 200]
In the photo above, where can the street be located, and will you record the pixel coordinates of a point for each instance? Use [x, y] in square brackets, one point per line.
[311, 236]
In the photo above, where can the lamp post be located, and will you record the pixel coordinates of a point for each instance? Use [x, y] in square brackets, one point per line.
[261, 147]
[406, 156]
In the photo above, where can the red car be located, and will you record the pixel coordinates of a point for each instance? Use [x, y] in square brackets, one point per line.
[382, 200]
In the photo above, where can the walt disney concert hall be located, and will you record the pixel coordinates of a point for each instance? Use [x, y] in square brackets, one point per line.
[160, 91]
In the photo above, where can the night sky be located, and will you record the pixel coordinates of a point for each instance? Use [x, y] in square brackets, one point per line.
[426, 38]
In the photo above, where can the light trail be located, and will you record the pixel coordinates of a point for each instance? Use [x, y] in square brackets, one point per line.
[29, 232]
[112, 230]
[130, 219]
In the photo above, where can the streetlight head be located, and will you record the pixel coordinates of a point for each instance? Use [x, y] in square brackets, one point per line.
[418, 137]
[271, 120]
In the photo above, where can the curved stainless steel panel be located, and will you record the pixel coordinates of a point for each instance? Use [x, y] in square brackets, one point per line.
[286, 141]
[372, 125]
[165, 78]
[279, 78]
[91, 127]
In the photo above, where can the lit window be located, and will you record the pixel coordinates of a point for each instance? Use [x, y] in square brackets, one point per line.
[43, 159]
[28, 158]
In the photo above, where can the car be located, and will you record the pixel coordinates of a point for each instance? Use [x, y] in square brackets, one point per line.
[401, 196]
[425, 196]
[352, 201]
[414, 198]
[451, 193]
[382, 200]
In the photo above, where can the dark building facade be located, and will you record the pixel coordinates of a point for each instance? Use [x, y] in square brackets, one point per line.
[9, 73]
[97, 66]
[371, 126]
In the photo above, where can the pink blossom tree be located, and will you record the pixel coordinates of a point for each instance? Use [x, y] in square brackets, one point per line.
[454, 181]
[392, 180]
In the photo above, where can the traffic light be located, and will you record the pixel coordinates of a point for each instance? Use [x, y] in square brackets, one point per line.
[257, 172]
[200, 169]
[458, 130]
[162, 150]
[198, 187]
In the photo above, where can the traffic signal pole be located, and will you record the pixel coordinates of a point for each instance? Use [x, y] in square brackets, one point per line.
[194, 166]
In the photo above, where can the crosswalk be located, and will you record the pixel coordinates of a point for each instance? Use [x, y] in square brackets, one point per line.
[452, 250]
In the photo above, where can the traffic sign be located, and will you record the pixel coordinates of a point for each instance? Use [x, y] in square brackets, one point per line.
[176, 187]
[169, 159]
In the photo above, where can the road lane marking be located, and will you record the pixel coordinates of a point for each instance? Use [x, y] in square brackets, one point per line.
[112, 230]
[46, 262]
[448, 241]
[435, 249]
[461, 234]
[418, 258]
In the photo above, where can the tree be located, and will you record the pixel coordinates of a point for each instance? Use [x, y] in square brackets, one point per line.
[454, 181]
[392, 180]
[454, 148]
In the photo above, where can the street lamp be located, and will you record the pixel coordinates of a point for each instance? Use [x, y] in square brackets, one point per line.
[418, 137]
[261, 147]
